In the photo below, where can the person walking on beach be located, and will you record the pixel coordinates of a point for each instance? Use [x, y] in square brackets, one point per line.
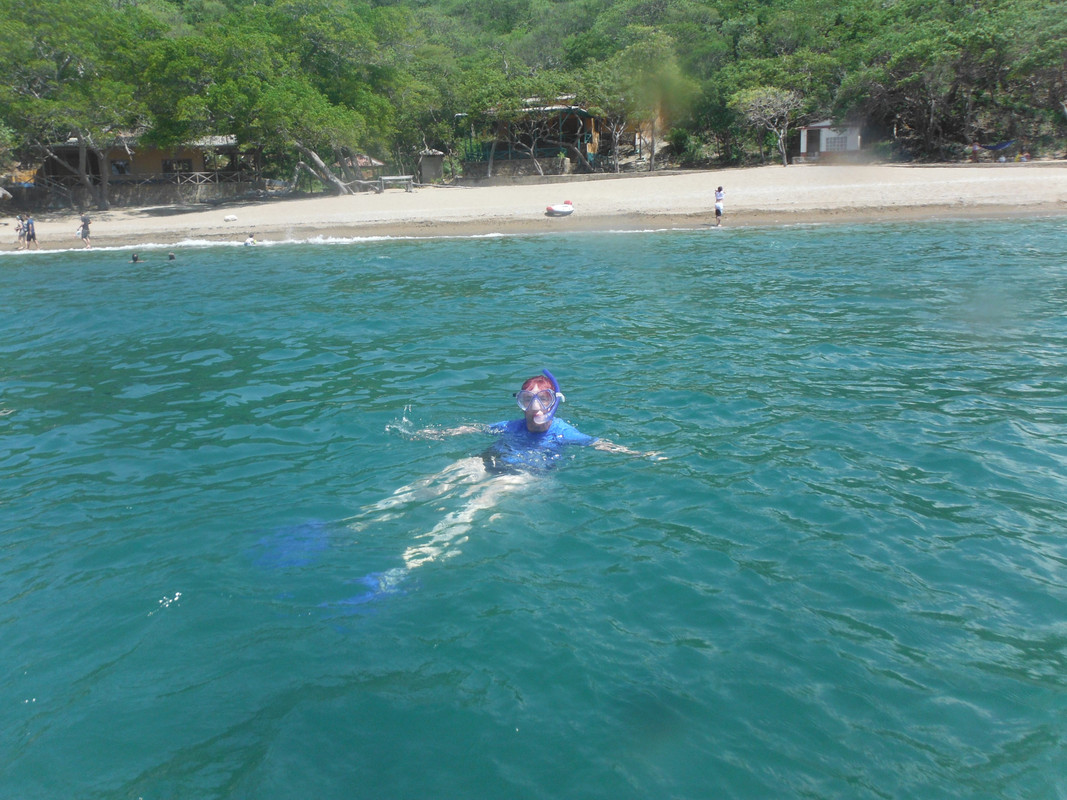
[20, 229]
[720, 197]
[31, 232]
[83, 232]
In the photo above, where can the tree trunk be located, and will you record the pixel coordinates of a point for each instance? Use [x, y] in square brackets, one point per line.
[652, 145]
[616, 137]
[350, 168]
[302, 167]
[103, 194]
[83, 168]
[97, 194]
[574, 152]
[492, 153]
[533, 157]
[321, 170]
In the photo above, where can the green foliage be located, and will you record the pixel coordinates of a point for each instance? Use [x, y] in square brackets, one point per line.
[769, 108]
[8, 143]
[390, 77]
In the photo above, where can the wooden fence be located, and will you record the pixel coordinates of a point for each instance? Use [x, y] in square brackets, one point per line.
[67, 182]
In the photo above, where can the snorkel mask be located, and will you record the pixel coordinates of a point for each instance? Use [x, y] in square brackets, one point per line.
[548, 400]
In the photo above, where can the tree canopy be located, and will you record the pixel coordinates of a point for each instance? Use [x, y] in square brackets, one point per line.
[318, 80]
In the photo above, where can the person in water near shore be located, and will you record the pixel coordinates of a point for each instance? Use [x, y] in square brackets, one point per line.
[524, 448]
[720, 199]
[135, 259]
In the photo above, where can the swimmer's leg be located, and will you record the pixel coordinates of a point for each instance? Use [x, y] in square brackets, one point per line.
[464, 471]
[440, 542]
[446, 535]
[483, 492]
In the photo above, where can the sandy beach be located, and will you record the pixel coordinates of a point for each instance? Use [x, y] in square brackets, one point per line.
[763, 196]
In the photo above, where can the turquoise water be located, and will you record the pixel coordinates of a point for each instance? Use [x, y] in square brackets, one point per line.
[847, 580]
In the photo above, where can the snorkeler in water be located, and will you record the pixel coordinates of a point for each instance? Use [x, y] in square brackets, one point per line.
[523, 448]
[536, 440]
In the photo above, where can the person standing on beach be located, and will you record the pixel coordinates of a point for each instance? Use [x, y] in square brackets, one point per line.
[20, 229]
[83, 232]
[31, 232]
[720, 197]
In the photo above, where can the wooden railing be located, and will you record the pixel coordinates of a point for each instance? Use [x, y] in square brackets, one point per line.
[149, 178]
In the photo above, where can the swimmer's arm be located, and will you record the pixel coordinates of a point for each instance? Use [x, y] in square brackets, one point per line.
[611, 447]
[441, 433]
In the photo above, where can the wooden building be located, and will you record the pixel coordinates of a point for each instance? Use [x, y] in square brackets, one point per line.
[560, 136]
[134, 172]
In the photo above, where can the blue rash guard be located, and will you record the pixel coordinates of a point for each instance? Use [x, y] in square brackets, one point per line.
[519, 448]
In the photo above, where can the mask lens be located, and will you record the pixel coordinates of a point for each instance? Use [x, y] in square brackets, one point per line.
[526, 398]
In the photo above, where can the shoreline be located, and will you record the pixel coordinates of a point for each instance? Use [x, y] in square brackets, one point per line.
[770, 196]
[586, 224]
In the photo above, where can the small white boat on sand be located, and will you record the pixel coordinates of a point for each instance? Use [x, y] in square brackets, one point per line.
[563, 209]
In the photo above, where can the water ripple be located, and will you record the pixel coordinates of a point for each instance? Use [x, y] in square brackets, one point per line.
[845, 581]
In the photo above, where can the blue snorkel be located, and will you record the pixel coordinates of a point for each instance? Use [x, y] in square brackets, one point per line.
[558, 398]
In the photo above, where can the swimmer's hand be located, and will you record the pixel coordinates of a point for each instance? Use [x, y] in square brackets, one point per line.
[611, 447]
[442, 433]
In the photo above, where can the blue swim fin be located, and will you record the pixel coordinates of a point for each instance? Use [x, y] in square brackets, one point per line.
[381, 585]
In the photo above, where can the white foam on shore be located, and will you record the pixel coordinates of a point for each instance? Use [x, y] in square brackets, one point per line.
[191, 244]
[203, 244]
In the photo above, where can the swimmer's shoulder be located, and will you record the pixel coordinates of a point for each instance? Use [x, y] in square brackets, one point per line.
[569, 433]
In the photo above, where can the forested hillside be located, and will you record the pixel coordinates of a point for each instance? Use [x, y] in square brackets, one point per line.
[315, 80]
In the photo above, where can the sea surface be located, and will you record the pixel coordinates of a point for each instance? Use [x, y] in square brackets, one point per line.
[845, 576]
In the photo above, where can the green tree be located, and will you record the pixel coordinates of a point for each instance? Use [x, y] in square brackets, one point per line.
[606, 92]
[771, 109]
[247, 82]
[659, 92]
[71, 81]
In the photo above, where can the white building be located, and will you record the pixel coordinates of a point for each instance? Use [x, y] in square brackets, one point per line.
[824, 139]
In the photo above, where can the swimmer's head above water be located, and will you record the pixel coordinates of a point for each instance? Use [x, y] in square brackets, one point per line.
[539, 398]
